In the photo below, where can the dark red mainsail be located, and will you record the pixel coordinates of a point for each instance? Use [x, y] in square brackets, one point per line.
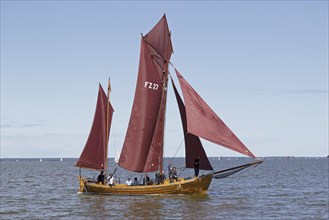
[193, 145]
[203, 122]
[94, 153]
[143, 146]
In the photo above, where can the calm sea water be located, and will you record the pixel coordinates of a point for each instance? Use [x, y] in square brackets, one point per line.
[280, 188]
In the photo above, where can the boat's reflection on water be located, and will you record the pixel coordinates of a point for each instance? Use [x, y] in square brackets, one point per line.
[153, 206]
[144, 206]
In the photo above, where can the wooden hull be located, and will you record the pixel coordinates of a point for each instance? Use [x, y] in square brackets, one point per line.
[193, 186]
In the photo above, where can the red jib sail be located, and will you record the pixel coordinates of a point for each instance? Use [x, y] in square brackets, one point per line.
[202, 121]
[193, 145]
[94, 153]
[143, 146]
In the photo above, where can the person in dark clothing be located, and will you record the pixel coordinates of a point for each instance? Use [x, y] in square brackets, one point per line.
[162, 178]
[157, 178]
[147, 181]
[170, 174]
[135, 183]
[174, 174]
[169, 168]
[100, 178]
[196, 166]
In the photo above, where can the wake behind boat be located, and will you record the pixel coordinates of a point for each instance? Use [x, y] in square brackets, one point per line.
[142, 150]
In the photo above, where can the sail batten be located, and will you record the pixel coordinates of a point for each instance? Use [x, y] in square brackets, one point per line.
[202, 121]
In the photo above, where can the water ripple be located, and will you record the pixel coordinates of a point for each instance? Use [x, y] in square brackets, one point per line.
[280, 188]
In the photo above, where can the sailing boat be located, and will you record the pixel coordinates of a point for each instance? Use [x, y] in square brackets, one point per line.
[142, 150]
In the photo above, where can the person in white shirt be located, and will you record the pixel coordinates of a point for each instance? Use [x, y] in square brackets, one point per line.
[128, 182]
[110, 180]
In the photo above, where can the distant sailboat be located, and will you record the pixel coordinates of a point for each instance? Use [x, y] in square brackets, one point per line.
[61, 159]
[40, 160]
[142, 150]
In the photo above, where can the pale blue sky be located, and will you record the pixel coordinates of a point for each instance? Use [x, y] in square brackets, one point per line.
[262, 66]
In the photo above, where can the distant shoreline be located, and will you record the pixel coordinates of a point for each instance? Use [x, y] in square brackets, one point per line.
[71, 158]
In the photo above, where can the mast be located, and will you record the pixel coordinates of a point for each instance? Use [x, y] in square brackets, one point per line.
[160, 51]
[107, 128]
[165, 85]
[142, 149]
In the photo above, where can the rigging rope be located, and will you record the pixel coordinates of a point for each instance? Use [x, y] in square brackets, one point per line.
[177, 150]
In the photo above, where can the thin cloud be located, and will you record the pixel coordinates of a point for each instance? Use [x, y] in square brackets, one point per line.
[298, 91]
[6, 126]
[32, 125]
[41, 145]
[306, 91]
[256, 90]
[12, 124]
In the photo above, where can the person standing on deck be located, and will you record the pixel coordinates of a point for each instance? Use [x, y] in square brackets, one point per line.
[169, 167]
[174, 174]
[110, 180]
[196, 166]
[100, 178]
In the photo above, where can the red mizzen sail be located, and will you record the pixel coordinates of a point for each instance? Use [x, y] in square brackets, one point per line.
[193, 145]
[143, 146]
[202, 121]
[94, 153]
